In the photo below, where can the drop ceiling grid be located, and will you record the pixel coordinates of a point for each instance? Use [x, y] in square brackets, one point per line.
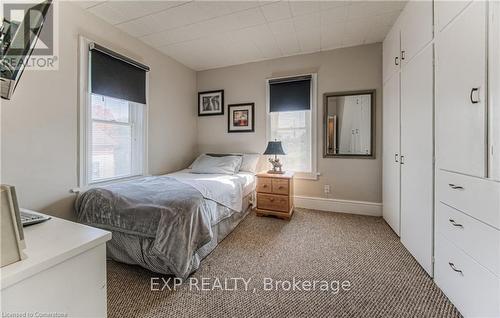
[210, 34]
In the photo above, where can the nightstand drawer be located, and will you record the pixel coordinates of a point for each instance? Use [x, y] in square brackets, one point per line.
[264, 185]
[280, 186]
[272, 202]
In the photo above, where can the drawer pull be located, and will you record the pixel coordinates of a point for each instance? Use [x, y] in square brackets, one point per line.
[455, 187]
[455, 223]
[454, 268]
[264, 186]
[271, 199]
[281, 187]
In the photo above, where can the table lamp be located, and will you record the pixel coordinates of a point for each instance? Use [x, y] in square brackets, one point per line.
[275, 148]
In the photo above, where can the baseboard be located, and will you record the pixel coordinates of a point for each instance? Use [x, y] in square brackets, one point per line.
[336, 205]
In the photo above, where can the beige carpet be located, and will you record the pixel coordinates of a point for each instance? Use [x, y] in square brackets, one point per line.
[385, 280]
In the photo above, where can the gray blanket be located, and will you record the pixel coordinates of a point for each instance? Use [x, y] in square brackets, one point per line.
[171, 212]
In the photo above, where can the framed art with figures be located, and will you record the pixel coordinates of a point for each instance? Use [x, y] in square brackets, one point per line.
[240, 118]
[211, 103]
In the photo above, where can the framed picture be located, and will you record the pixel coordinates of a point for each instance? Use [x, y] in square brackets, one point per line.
[240, 118]
[211, 103]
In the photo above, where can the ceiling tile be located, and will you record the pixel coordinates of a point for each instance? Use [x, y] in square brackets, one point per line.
[334, 15]
[282, 27]
[179, 16]
[238, 5]
[262, 38]
[388, 18]
[332, 35]
[326, 5]
[87, 4]
[362, 25]
[108, 13]
[372, 8]
[277, 11]
[116, 12]
[377, 34]
[215, 8]
[309, 42]
[247, 18]
[139, 27]
[304, 7]
[288, 44]
[310, 22]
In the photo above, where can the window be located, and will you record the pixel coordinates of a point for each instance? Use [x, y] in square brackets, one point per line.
[115, 143]
[292, 120]
[113, 116]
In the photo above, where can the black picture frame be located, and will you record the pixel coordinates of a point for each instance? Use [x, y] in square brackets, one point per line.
[230, 117]
[202, 112]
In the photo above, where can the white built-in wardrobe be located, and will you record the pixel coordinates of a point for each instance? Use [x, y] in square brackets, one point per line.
[408, 147]
[441, 145]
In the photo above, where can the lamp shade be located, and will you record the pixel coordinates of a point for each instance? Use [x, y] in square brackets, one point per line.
[274, 148]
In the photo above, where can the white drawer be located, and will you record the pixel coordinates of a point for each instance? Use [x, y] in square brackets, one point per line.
[473, 289]
[477, 197]
[466, 232]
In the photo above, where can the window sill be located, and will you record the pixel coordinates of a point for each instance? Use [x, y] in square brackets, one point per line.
[307, 175]
[84, 188]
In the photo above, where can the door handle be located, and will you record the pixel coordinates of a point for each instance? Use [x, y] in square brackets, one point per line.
[403, 55]
[454, 268]
[396, 60]
[472, 91]
[455, 187]
[402, 160]
[455, 223]
[396, 159]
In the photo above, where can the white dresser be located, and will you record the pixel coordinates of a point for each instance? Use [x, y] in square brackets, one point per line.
[467, 243]
[64, 274]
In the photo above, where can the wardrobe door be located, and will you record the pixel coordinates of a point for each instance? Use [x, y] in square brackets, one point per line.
[494, 91]
[460, 93]
[446, 11]
[417, 150]
[391, 166]
[391, 51]
[416, 28]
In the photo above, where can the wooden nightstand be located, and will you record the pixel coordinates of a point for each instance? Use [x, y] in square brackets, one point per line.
[275, 194]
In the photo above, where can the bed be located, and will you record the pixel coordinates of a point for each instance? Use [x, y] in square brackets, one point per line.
[168, 223]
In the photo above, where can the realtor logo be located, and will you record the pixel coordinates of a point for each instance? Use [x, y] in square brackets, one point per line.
[29, 27]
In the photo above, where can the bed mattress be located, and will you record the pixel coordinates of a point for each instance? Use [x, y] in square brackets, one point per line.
[167, 223]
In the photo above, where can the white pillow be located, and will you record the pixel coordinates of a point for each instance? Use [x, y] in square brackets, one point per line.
[222, 165]
[249, 162]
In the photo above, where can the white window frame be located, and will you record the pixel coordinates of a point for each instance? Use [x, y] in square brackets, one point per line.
[85, 122]
[314, 174]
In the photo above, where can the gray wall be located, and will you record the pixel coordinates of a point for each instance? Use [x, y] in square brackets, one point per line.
[347, 69]
[39, 134]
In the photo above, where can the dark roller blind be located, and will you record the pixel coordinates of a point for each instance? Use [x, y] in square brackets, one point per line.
[290, 94]
[114, 75]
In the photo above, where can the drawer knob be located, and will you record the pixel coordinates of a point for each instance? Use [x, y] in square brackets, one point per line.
[272, 200]
[455, 223]
[264, 186]
[281, 187]
[454, 268]
[455, 187]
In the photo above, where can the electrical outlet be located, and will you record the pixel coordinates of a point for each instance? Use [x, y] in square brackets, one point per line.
[326, 188]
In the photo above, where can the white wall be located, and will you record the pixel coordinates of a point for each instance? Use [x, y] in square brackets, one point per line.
[39, 134]
[347, 69]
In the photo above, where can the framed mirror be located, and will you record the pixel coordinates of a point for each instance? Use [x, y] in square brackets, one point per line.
[349, 124]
